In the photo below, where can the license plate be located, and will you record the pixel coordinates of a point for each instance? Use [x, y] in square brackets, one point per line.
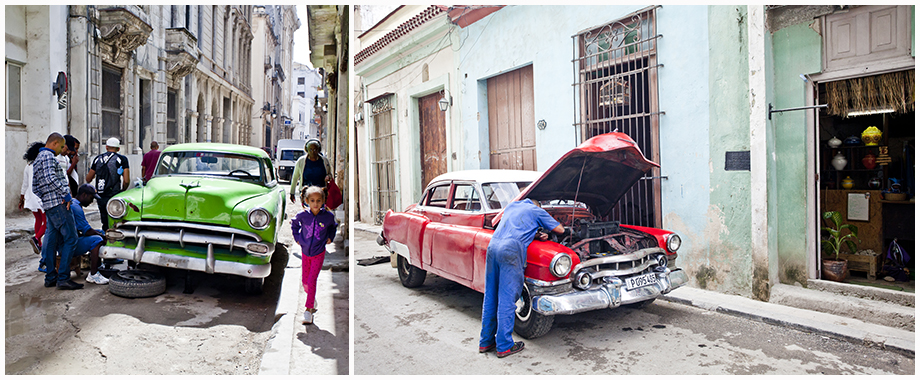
[640, 281]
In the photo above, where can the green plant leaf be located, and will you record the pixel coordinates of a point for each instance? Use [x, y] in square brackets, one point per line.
[850, 227]
[851, 245]
[827, 247]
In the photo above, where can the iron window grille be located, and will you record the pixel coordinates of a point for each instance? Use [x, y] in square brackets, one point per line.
[616, 90]
[385, 190]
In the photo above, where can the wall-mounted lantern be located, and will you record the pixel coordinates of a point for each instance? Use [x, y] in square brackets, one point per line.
[446, 101]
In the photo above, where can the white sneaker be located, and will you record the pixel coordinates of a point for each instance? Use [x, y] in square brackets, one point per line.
[97, 278]
[307, 317]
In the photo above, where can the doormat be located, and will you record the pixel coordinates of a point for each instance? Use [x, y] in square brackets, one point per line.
[374, 260]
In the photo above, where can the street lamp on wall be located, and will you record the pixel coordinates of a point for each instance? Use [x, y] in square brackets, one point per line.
[445, 102]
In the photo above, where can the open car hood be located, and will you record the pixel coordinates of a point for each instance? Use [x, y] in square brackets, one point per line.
[612, 165]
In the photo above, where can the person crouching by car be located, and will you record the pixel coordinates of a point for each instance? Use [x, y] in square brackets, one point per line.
[90, 239]
[505, 260]
[313, 228]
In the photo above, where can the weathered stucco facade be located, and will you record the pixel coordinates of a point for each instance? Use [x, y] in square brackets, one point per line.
[739, 185]
[165, 73]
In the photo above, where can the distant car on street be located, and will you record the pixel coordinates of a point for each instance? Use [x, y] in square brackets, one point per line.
[213, 208]
[596, 264]
[286, 156]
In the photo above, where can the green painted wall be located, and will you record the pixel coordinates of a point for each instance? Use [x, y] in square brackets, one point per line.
[796, 50]
[727, 265]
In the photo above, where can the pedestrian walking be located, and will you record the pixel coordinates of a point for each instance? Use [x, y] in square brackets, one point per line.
[29, 200]
[311, 169]
[506, 257]
[148, 164]
[313, 228]
[50, 185]
[111, 172]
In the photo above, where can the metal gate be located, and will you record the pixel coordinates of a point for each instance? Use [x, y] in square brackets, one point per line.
[616, 89]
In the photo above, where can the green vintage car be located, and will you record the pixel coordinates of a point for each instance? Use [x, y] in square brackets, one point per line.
[213, 208]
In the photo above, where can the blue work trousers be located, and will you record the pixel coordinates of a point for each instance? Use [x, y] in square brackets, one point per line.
[61, 236]
[504, 280]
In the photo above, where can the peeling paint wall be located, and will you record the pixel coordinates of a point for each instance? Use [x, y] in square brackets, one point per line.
[709, 206]
[796, 50]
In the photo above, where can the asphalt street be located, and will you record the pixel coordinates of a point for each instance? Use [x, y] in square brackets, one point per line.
[434, 330]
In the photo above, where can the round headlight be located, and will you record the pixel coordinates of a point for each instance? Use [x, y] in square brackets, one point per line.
[116, 208]
[560, 265]
[259, 218]
[673, 242]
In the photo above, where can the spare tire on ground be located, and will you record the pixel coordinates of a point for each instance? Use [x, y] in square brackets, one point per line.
[137, 284]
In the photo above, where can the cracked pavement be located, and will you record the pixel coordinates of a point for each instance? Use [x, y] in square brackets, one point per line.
[217, 330]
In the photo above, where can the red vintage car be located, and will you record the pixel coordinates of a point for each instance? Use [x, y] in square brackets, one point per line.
[595, 264]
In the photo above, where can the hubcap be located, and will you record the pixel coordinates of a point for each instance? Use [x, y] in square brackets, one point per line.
[523, 309]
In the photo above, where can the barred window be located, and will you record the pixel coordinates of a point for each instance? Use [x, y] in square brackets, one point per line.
[616, 90]
[383, 140]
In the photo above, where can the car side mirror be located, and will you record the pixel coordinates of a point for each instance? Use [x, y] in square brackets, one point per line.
[487, 221]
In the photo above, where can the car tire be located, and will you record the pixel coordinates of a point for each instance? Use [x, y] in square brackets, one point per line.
[137, 284]
[640, 305]
[409, 275]
[528, 323]
[253, 285]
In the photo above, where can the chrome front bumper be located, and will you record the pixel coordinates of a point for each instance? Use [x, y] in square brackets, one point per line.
[207, 265]
[608, 295]
[182, 233]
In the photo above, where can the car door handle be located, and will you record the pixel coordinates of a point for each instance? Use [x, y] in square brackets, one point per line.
[444, 213]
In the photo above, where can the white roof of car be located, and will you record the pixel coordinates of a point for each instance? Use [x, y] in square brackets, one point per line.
[489, 175]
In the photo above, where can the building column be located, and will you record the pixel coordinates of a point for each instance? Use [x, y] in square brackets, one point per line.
[193, 125]
[763, 274]
[207, 133]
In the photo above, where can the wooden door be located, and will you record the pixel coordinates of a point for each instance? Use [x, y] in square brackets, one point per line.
[432, 138]
[512, 142]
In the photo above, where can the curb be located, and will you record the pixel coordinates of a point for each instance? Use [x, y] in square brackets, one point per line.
[276, 360]
[843, 328]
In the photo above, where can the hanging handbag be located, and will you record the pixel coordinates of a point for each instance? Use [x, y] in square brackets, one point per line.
[333, 195]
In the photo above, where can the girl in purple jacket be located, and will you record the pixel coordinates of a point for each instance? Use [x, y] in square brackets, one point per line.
[313, 228]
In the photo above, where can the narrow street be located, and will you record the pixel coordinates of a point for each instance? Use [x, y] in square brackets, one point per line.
[398, 329]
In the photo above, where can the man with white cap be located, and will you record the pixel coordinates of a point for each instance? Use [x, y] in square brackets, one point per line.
[113, 176]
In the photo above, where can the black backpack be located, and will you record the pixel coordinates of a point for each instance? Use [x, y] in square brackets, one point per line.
[108, 181]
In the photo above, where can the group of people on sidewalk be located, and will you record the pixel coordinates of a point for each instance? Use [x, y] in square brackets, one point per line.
[51, 190]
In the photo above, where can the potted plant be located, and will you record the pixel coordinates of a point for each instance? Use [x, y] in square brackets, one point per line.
[836, 269]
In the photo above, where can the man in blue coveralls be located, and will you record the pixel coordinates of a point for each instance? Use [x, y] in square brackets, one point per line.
[505, 261]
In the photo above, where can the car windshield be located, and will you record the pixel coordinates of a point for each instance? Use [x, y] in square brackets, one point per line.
[500, 194]
[217, 164]
[291, 155]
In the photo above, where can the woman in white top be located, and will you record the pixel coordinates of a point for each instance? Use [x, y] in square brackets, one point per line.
[31, 201]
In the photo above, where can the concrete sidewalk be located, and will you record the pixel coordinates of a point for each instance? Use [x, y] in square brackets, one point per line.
[832, 325]
[321, 348]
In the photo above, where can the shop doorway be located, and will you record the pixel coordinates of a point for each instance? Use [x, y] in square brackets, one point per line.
[868, 176]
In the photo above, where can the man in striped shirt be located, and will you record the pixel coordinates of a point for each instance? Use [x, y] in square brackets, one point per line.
[50, 184]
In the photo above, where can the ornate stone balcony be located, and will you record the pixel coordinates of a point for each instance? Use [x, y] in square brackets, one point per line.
[181, 53]
[122, 29]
